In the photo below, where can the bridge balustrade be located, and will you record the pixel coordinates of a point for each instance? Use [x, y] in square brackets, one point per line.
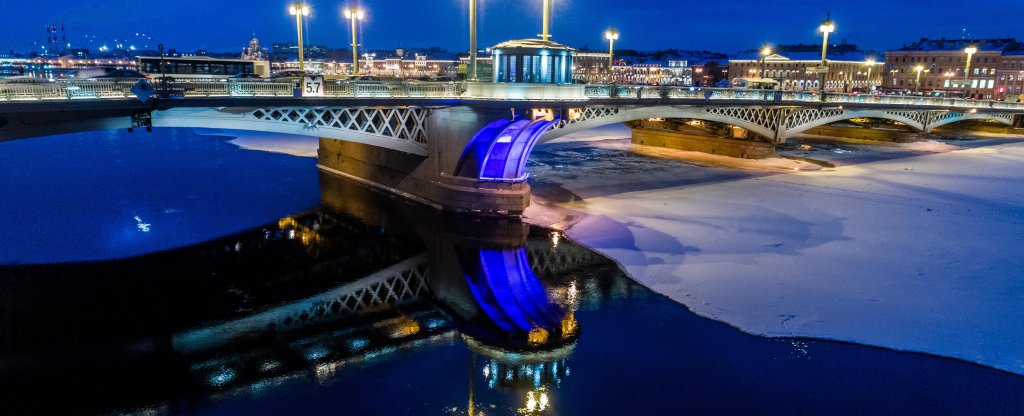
[81, 89]
[98, 89]
[17, 92]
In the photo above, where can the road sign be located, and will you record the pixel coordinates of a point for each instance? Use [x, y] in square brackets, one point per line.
[817, 70]
[143, 91]
[313, 86]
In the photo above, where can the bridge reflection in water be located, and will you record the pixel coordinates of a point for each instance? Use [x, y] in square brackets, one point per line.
[354, 282]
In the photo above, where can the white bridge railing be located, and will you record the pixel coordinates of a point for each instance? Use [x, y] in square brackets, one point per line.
[81, 89]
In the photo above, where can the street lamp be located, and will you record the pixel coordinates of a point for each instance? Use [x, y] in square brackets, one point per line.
[472, 40]
[970, 51]
[826, 28]
[764, 54]
[299, 10]
[546, 34]
[871, 63]
[354, 15]
[612, 35]
[917, 85]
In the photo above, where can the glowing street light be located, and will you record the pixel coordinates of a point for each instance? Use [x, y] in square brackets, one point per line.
[612, 35]
[970, 51]
[355, 14]
[826, 28]
[764, 54]
[299, 10]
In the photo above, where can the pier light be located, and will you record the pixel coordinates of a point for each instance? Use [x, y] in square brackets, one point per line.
[299, 10]
[354, 15]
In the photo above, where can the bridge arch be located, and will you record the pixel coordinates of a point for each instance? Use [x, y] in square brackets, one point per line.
[800, 121]
[395, 128]
[951, 117]
[763, 121]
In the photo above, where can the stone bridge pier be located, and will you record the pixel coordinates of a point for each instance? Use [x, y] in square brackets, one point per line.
[473, 161]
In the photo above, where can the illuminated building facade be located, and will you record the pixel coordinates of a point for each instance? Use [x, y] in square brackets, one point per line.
[943, 64]
[847, 70]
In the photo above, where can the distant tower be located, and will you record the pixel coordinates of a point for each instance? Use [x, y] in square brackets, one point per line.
[254, 52]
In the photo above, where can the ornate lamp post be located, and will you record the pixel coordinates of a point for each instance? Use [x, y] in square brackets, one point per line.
[826, 28]
[299, 10]
[354, 15]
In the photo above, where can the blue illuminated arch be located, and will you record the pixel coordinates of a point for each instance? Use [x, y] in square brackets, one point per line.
[500, 150]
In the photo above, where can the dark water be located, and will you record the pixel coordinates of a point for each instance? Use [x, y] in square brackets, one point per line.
[351, 302]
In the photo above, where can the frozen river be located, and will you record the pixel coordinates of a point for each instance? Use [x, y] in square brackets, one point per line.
[912, 247]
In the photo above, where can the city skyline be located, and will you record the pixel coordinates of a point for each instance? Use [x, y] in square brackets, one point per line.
[446, 25]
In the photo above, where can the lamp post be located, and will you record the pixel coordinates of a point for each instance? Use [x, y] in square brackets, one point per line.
[970, 51]
[871, 63]
[354, 15]
[917, 84]
[612, 35]
[472, 40]
[299, 10]
[764, 55]
[826, 28]
[546, 34]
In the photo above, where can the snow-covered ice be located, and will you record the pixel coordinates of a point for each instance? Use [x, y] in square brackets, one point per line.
[302, 146]
[921, 253]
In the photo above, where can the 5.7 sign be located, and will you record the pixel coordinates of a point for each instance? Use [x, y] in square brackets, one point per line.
[313, 86]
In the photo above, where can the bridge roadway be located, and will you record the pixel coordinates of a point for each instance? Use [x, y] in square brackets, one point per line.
[456, 147]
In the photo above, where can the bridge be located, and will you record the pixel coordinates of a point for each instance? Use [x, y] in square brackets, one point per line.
[457, 147]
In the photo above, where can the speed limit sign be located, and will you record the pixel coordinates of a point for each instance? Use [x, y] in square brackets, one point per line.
[313, 86]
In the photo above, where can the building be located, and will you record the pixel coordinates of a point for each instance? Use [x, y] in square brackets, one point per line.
[254, 52]
[636, 68]
[710, 73]
[793, 67]
[532, 61]
[395, 64]
[1010, 76]
[944, 62]
[284, 50]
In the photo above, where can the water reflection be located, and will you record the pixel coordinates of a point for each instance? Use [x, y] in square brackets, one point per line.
[359, 280]
[368, 305]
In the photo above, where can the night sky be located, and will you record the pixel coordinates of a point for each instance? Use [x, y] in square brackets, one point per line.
[722, 26]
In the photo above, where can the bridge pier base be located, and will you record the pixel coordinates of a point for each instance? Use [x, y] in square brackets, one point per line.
[696, 141]
[429, 179]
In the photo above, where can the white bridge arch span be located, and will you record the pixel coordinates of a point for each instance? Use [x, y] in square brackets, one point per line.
[395, 128]
[775, 123]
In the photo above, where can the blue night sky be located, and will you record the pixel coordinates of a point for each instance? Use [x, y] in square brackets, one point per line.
[727, 26]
